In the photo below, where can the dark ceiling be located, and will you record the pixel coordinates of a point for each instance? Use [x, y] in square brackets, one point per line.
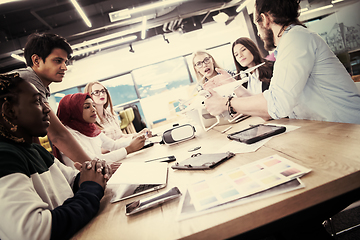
[20, 18]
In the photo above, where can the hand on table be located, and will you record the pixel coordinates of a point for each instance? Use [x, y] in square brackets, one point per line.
[136, 144]
[101, 166]
[93, 171]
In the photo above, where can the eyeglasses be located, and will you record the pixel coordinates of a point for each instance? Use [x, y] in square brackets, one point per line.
[199, 64]
[97, 92]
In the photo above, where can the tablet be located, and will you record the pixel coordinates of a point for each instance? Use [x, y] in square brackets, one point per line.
[256, 133]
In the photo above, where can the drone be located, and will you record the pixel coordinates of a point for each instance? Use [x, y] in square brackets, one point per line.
[196, 103]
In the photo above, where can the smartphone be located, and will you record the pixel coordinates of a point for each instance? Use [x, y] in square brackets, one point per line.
[151, 202]
[256, 133]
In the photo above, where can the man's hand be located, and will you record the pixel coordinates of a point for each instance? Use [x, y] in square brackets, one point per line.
[92, 171]
[101, 166]
[216, 104]
[222, 78]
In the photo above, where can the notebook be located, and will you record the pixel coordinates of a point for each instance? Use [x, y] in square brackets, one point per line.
[133, 179]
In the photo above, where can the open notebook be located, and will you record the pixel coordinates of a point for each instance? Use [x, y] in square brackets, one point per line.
[133, 179]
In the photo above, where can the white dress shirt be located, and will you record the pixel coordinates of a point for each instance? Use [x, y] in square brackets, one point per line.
[309, 82]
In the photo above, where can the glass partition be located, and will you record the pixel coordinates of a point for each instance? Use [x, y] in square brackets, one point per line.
[161, 77]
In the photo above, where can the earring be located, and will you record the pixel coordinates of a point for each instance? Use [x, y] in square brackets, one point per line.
[13, 127]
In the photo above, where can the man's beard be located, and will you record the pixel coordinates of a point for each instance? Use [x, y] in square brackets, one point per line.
[269, 43]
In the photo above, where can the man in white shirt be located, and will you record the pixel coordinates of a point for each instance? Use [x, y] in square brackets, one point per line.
[308, 82]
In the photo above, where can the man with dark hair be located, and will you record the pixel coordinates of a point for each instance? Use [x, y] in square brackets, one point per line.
[309, 82]
[46, 56]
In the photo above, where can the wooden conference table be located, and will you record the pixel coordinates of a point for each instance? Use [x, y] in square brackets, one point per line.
[331, 150]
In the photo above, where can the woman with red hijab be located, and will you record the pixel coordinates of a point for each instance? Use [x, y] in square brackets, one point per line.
[78, 113]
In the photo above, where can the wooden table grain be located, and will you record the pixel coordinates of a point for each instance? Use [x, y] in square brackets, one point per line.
[330, 149]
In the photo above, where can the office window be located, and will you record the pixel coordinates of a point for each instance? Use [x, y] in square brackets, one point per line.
[121, 89]
[56, 97]
[161, 77]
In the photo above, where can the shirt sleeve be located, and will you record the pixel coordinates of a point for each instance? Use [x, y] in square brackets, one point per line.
[69, 173]
[116, 148]
[77, 211]
[24, 215]
[293, 66]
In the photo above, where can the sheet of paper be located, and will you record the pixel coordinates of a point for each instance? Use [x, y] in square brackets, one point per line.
[140, 173]
[244, 181]
[187, 210]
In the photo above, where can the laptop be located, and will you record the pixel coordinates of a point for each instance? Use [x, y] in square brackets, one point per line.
[134, 179]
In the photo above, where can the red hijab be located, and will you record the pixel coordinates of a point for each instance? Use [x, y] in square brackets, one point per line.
[70, 113]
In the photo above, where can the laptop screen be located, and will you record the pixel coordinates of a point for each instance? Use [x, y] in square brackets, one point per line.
[133, 179]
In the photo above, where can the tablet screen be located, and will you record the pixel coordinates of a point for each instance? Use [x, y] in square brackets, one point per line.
[255, 132]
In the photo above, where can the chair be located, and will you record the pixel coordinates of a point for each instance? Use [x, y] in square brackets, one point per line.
[124, 121]
[44, 141]
[139, 124]
[127, 116]
[131, 116]
[336, 232]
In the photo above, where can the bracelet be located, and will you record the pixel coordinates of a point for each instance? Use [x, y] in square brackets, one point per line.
[231, 110]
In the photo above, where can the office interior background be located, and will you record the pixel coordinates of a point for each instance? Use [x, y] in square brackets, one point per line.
[141, 50]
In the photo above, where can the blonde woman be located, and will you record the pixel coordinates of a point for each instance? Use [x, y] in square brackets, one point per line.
[204, 66]
[106, 119]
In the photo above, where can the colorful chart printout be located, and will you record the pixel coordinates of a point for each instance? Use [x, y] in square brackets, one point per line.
[244, 181]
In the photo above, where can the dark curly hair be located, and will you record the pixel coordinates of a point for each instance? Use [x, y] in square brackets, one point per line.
[9, 90]
[284, 12]
[42, 45]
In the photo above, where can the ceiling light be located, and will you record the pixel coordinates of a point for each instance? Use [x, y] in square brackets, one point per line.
[336, 1]
[105, 45]
[126, 13]
[153, 6]
[119, 15]
[7, 1]
[18, 57]
[143, 28]
[318, 9]
[304, 10]
[105, 38]
[221, 17]
[81, 12]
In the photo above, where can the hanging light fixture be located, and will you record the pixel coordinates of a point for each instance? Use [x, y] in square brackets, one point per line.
[131, 48]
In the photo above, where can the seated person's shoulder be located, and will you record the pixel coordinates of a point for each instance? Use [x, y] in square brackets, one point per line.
[28, 161]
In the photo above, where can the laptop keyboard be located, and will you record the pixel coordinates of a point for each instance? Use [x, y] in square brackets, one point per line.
[144, 187]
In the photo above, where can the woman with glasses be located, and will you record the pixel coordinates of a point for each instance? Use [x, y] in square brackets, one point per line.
[106, 119]
[204, 66]
[246, 55]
